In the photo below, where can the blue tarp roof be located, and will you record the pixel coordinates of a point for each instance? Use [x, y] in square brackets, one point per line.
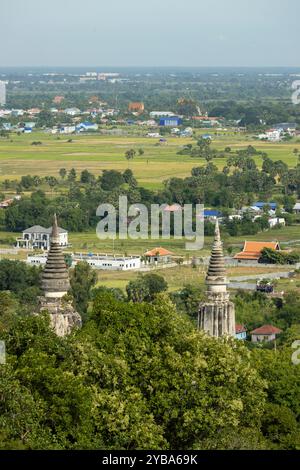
[260, 205]
[211, 213]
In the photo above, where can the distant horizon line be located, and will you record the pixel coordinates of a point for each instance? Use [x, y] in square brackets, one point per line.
[157, 66]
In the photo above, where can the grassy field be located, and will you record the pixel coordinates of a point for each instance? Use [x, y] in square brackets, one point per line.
[88, 242]
[176, 277]
[159, 162]
[98, 152]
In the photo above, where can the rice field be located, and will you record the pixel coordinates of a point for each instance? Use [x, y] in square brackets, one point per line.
[97, 152]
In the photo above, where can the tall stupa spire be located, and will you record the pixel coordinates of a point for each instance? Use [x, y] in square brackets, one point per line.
[217, 314]
[56, 284]
[55, 277]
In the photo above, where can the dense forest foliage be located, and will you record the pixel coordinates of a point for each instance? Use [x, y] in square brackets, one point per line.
[138, 375]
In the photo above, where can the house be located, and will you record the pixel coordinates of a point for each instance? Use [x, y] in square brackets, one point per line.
[87, 126]
[38, 237]
[67, 129]
[72, 111]
[158, 255]
[286, 126]
[272, 135]
[6, 203]
[153, 134]
[261, 205]
[211, 214]
[34, 111]
[240, 332]
[207, 121]
[274, 221]
[173, 208]
[252, 250]
[235, 217]
[265, 333]
[136, 107]
[171, 121]
[58, 99]
[296, 208]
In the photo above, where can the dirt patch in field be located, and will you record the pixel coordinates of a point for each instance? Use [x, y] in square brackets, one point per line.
[80, 154]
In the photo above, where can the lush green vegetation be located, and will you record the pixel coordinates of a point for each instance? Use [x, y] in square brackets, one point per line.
[138, 375]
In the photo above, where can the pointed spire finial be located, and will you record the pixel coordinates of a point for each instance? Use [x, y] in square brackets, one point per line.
[217, 232]
[55, 231]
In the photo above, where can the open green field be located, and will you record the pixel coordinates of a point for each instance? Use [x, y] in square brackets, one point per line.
[99, 152]
[88, 242]
[176, 277]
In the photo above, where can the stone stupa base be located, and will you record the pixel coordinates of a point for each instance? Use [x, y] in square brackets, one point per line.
[63, 316]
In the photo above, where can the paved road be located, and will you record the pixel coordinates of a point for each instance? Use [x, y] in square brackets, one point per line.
[237, 282]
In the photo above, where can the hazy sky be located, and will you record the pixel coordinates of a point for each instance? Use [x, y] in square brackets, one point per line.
[152, 32]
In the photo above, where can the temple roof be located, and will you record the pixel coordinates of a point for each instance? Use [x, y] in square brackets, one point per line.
[55, 277]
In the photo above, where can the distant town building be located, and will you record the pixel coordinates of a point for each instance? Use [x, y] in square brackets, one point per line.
[2, 93]
[38, 237]
[65, 130]
[173, 208]
[7, 202]
[158, 114]
[58, 99]
[207, 121]
[170, 121]
[211, 214]
[252, 250]
[136, 107]
[262, 205]
[87, 126]
[274, 221]
[72, 111]
[265, 333]
[155, 135]
[296, 208]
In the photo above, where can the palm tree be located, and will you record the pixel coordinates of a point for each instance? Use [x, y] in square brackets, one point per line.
[130, 154]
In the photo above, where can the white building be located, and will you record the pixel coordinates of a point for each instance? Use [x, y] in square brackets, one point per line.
[157, 114]
[2, 93]
[153, 134]
[296, 208]
[39, 237]
[272, 135]
[72, 111]
[103, 262]
[274, 221]
[87, 126]
[67, 129]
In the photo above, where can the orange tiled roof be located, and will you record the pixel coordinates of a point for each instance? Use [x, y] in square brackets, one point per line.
[173, 208]
[266, 330]
[158, 252]
[240, 328]
[252, 250]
